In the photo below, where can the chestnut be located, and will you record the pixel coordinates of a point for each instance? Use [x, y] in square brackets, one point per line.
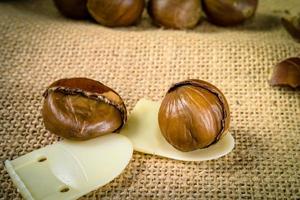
[287, 73]
[177, 14]
[114, 13]
[75, 9]
[194, 114]
[81, 108]
[229, 12]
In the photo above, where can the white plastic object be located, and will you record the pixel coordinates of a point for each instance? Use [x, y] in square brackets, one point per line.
[70, 169]
[143, 130]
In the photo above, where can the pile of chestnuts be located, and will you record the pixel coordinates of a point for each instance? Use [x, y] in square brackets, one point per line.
[194, 114]
[175, 14]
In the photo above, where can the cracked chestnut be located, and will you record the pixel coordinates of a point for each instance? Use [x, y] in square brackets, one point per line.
[81, 108]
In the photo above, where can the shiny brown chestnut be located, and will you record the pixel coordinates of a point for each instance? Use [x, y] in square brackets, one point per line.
[81, 108]
[287, 73]
[114, 13]
[177, 14]
[75, 9]
[229, 12]
[193, 114]
[292, 25]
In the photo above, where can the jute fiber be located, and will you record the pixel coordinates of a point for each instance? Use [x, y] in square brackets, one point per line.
[38, 46]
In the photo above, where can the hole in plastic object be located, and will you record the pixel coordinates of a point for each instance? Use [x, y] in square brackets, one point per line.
[64, 189]
[42, 159]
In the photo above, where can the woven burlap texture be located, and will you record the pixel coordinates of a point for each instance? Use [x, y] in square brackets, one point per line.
[38, 46]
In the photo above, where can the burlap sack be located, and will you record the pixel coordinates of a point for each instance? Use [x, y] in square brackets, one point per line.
[38, 46]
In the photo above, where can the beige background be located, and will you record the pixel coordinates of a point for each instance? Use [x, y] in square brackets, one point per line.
[38, 46]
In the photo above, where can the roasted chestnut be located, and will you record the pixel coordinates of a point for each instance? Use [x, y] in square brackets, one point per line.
[115, 13]
[229, 12]
[194, 114]
[72, 8]
[81, 108]
[287, 73]
[177, 14]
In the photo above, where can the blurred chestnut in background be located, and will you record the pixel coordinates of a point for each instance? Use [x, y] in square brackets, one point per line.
[292, 25]
[75, 9]
[114, 13]
[229, 12]
[177, 14]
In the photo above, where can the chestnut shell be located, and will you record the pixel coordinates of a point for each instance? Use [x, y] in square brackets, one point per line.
[81, 108]
[287, 73]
